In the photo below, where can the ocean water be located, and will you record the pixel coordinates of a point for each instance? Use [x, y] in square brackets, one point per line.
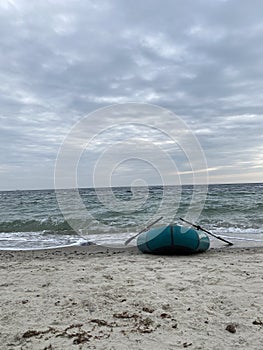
[108, 216]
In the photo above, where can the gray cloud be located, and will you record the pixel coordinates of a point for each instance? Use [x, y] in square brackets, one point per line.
[61, 60]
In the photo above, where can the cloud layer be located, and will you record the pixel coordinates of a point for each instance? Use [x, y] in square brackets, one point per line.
[61, 60]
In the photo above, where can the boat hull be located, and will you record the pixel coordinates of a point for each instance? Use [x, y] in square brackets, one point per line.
[173, 239]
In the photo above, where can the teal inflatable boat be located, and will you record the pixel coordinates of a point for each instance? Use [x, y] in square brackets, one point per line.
[173, 239]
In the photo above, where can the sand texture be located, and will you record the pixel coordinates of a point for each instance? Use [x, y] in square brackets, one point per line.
[97, 298]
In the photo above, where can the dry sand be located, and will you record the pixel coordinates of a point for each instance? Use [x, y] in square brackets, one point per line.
[97, 298]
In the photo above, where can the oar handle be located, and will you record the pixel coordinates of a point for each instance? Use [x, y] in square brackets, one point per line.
[210, 233]
[145, 229]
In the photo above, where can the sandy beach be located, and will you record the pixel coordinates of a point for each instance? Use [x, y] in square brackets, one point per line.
[100, 298]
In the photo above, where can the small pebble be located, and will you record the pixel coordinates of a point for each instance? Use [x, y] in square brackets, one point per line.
[231, 328]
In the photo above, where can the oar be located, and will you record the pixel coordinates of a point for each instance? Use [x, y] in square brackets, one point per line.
[210, 233]
[145, 229]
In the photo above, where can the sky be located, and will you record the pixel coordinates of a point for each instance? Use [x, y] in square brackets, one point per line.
[137, 92]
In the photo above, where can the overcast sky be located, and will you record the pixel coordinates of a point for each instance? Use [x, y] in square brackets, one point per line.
[61, 60]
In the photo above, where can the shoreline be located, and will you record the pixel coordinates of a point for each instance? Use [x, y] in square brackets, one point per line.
[94, 297]
[94, 248]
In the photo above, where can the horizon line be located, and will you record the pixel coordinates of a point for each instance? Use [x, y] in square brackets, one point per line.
[123, 186]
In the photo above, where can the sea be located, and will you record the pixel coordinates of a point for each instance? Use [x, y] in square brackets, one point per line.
[37, 219]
